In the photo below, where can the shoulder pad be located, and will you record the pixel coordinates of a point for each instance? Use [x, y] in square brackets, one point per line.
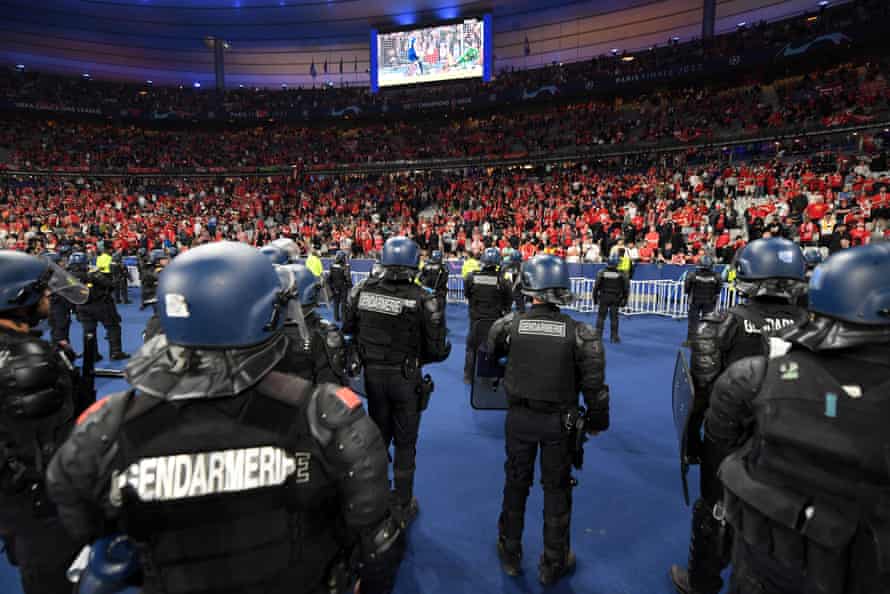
[429, 301]
[715, 317]
[505, 321]
[336, 406]
[585, 332]
[108, 411]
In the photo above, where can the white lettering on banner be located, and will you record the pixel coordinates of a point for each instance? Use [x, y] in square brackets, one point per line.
[542, 328]
[769, 325]
[389, 306]
[182, 476]
[485, 280]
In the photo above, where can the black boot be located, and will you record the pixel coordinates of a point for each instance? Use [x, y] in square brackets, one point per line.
[114, 344]
[555, 565]
[404, 513]
[707, 554]
[510, 554]
[615, 339]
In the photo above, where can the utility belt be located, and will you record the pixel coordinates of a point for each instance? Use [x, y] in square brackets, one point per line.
[818, 537]
[541, 406]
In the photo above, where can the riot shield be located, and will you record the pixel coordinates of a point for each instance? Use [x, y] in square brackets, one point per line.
[487, 392]
[683, 399]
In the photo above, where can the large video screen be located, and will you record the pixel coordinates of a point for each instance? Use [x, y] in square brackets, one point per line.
[448, 51]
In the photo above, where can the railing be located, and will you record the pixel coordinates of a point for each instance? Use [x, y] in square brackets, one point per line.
[647, 297]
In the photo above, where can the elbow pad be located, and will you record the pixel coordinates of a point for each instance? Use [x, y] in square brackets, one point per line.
[33, 381]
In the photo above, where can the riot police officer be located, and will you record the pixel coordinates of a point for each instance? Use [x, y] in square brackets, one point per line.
[511, 273]
[226, 475]
[340, 282]
[434, 276]
[60, 310]
[805, 432]
[317, 351]
[398, 327]
[120, 276]
[551, 357]
[100, 308]
[489, 297]
[157, 260]
[770, 273]
[702, 287]
[38, 404]
[611, 290]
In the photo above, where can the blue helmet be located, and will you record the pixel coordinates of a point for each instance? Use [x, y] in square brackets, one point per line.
[773, 258]
[706, 261]
[24, 278]
[220, 295]
[853, 285]
[340, 257]
[491, 257]
[275, 254]
[812, 256]
[77, 259]
[436, 257]
[547, 277]
[401, 252]
[614, 259]
[53, 257]
[157, 255]
[301, 282]
[172, 251]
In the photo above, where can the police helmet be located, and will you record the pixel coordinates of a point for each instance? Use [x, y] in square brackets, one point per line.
[614, 259]
[157, 255]
[172, 251]
[301, 282]
[340, 257]
[491, 258]
[853, 285]
[289, 246]
[24, 278]
[117, 257]
[275, 254]
[812, 256]
[77, 260]
[547, 277]
[64, 249]
[141, 252]
[771, 267]
[220, 295]
[53, 257]
[400, 252]
[436, 257]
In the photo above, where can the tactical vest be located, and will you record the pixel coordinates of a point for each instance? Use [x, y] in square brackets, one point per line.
[432, 276]
[301, 356]
[705, 287]
[338, 275]
[757, 320]
[486, 302]
[389, 322]
[541, 363]
[225, 495]
[612, 285]
[812, 487]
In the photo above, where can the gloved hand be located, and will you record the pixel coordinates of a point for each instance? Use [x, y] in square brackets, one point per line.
[113, 560]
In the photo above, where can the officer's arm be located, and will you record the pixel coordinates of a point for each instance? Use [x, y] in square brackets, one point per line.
[626, 287]
[41, 383]
[353, 446]
[687, 282]
[729, 419]
[497, 342]
[506, 294]
[590, 361]
[350, 322]
[468, 286]
[433, 331]
[713, 337]
[597, 286]
[330, 355]
[77, 479]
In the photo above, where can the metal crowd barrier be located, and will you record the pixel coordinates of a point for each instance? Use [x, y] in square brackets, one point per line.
[647, 297]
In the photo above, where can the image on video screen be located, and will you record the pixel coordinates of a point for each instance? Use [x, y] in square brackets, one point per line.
[439, 53]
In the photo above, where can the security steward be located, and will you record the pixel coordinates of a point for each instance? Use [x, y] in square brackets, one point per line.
[38, 405]
[551, 358]
[60, 310]
[340, 283]
[511, 272]
[434, 276]
[489, 297]
[227, 476]
[611, 291]
[770, 273]
[316, 351]
[702, 287]
[121, 277]
[398, 327]
[803, 438]
[157, 260]
[100, 308]
[471, 264]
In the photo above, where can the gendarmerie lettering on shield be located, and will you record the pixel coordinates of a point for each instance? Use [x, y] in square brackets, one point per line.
[182, 476]
[542, 328]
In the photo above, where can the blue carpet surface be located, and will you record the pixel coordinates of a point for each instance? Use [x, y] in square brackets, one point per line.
[629, 522]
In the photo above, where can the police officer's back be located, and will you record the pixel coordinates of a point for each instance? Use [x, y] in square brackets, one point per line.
[805, 432]
[611, 291]
[489, 296]
[227, 476]
[770, 273]
[512, 275]
[434, 276]
[100, 307]
[702, 287]
[551, 357]
[398, 327]
[120, 276]
[150, 275]
[316, 351]
[60, 310]
[38, 404]
[340, 282]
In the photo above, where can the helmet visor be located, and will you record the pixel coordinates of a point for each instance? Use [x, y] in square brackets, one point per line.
[66, 286]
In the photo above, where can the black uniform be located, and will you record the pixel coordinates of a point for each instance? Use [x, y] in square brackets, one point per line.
[255, 482]
[702, 287]
[100, 308]
[551, 358]
[807, 494]
[512, 275]
[340, 281]
[37, 409]
[60, 319]
[120, 277]
[723, 339]
[323, 359]
[489, 297]
[435, 277]
[149, 282]
[398, 327]
[611, 290]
